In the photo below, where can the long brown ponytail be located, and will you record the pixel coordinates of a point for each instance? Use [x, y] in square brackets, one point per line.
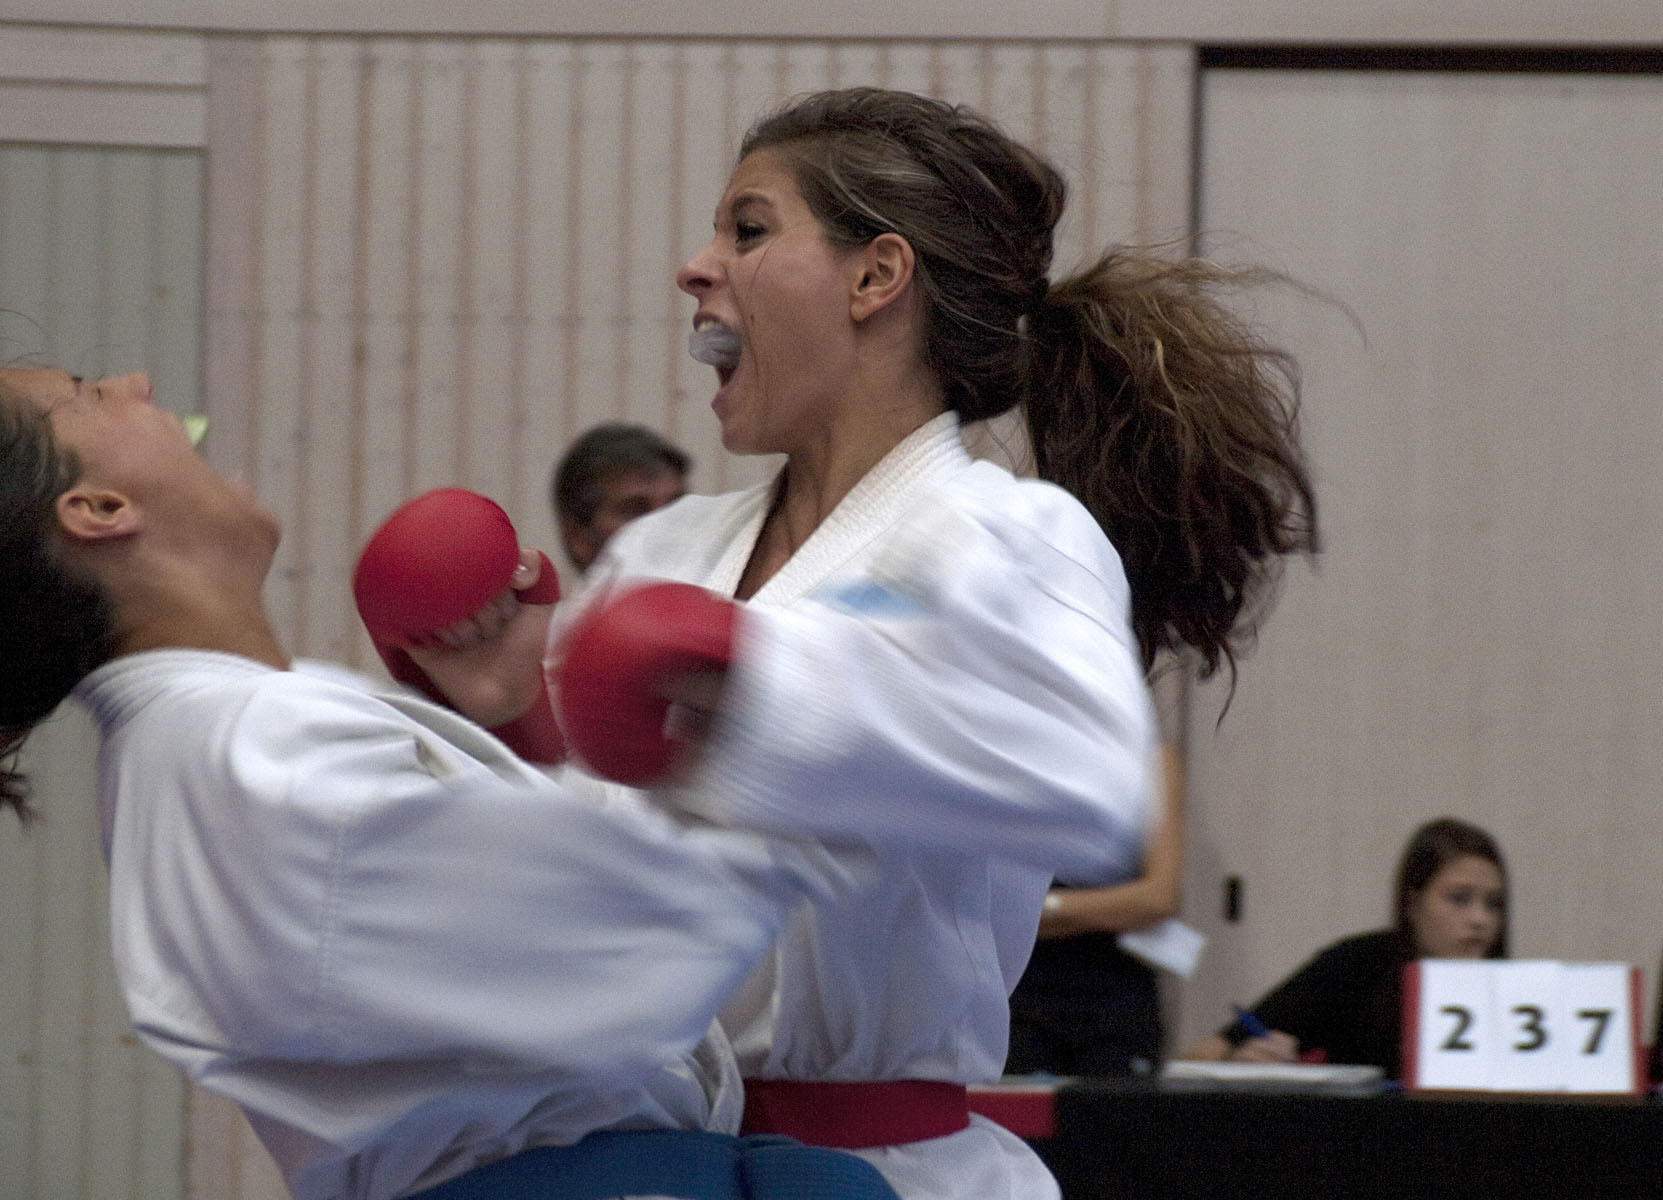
[1168, 418]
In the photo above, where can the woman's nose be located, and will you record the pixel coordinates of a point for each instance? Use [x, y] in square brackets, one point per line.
[697, 274]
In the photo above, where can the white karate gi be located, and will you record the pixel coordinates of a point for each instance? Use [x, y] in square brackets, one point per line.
[944, 670]
[399, 949]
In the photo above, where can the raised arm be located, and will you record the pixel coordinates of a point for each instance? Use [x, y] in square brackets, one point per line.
[975, 687]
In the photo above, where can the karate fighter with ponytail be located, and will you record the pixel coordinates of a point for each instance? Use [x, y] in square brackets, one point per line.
[419, 965]
[927, 657]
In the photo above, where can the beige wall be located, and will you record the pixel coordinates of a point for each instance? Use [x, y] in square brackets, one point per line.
[1479, 637]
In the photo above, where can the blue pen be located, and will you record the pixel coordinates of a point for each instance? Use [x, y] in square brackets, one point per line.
[1250, 1024]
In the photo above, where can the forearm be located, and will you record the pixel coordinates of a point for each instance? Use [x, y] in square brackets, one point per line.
[1134, 905]
[1153, 896]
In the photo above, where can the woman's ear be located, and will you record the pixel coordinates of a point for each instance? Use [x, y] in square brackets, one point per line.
[884, 269]
[93, 514]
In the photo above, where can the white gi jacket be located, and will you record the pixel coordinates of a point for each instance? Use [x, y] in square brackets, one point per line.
[944, 671]
[399, 949]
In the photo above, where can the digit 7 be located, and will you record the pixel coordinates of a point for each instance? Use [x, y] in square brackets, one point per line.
[1599, 1017]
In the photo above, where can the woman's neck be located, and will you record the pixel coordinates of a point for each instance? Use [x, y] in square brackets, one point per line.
[815, 481]
[248, 635]
[198, 611]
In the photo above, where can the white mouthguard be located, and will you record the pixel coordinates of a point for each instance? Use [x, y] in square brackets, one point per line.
[714, 346]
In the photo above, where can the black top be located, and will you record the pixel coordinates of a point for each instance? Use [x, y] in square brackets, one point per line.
[1088, 967]
[1085, 1007]
[1346, 1002]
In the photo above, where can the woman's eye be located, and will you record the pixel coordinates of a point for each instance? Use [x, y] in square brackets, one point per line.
[746, 231]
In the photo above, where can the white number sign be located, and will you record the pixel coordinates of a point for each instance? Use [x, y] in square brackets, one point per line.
[1527, 1026]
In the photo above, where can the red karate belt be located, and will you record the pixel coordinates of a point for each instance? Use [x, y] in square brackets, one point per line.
[855, 1116]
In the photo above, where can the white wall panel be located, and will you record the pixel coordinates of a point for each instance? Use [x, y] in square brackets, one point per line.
[101, 115]
[580, 18]
[1476, 639]
[1481, 22]
[100, 262]
[50, 54]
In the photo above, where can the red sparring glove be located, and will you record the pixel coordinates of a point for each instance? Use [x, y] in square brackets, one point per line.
[613, 662]
[435, 562]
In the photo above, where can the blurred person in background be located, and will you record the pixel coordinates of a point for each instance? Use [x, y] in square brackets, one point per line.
[609, 476]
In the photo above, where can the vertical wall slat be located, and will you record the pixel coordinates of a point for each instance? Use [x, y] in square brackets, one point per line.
[329, 469]
[234, 218]
[494, 170]
[275, 398]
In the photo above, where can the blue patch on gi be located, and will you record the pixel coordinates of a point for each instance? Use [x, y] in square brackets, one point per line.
[866, 598]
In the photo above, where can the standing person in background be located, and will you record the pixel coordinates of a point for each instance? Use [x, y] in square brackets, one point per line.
[1084, 1006]
[611, 475]
[1346, 1004]
[929, 656]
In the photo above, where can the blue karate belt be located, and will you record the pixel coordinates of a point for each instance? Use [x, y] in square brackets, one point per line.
[687, 1164]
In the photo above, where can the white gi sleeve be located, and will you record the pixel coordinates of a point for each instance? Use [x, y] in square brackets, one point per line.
[410, 904]
[976, 690]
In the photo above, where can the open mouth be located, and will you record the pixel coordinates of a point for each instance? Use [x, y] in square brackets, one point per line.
[715, 345]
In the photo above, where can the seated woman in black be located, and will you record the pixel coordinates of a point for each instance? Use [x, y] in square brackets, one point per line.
[1346, 1004]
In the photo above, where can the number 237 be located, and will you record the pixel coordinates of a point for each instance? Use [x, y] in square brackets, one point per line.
[1533, 1033]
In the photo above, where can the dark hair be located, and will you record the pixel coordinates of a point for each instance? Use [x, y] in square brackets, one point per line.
[1144, 396]
[56, 625]
[1431, 848]
[602, 452]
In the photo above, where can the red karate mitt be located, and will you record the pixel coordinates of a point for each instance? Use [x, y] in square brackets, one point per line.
[436, 561]
[613, 663]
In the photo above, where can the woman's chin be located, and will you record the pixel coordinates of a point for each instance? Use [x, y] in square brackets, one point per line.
[735, 442]
[736, 437]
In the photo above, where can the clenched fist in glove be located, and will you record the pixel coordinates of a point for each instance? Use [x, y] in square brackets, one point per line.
[438, 562]
[621, 666]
